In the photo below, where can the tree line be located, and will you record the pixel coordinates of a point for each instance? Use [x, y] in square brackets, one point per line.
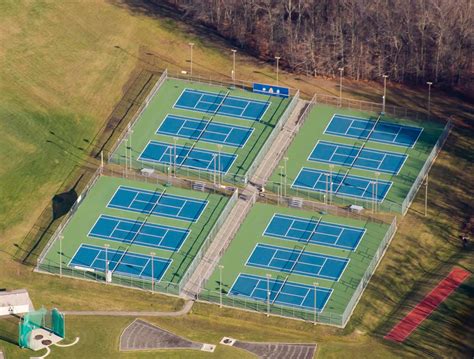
[412, 41]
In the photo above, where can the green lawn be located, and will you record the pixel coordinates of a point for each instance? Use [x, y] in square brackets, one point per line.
[251, 233]
[313, 130]
[162, 104]
[95, 204]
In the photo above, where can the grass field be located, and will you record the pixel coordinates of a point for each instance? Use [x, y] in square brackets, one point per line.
[65, 65]
[162, 104]
[95, 204]
[251, 233]
[313, 130]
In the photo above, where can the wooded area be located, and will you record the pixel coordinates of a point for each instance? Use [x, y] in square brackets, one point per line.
[412, 41]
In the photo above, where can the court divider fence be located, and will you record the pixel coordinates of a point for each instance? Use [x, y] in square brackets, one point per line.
[46, 265]
[210, 176]
[324, 317]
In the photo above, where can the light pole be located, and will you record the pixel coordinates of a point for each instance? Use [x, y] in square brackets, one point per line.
[429, 83]
[341, 71]
[377, 174]
[268, 294]
[384, 92]
[331, 168]
[221, 267]
[60, 256]
[191, 44]
[126, 154]
[175, 159]
[316, 284]
[219, 173]
[233, 65]
[152, 272]
[106, 262]
[277, 58]
[281, 180]
[285, 160]
[426, 195]
[130, 146]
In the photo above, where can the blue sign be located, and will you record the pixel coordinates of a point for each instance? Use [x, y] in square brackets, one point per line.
[271, 90]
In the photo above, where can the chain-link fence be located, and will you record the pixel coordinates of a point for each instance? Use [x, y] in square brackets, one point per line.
[124, 159]
[426, 168]
[45, 264]
[325, 317]
[282, 188]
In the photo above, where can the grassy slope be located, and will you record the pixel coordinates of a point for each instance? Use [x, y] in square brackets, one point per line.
[63, 66]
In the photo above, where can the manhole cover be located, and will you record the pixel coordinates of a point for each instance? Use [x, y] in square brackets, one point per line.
[38, 337]
[227, 341]
[46, 342]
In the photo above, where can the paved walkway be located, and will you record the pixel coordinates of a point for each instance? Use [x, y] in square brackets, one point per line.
[243, 206]
[186, 308]
[221, 242]
[279, 146]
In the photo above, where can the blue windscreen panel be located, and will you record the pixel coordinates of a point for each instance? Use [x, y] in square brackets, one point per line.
[271, 90]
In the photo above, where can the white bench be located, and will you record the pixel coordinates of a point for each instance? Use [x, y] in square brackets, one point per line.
[356, 209]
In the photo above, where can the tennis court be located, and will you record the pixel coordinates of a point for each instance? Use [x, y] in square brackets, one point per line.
[217, 103]
[162, 205]
[280, 292]
[297, 261]
[139, 233]
[342, 184]
[120, 262]
[188, 157]
[384, 132]
[313, 231]
[205, 130]
[357, 157]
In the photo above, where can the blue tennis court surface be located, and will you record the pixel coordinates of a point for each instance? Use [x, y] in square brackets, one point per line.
[323, 233]
[120, 262]
[188, 157]
[293, 261]
[204, 130]
[143, 234]
[211, 102]
[342, 184]
[289, 293]
[384, 132]
[353, 156]
[163, 205]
